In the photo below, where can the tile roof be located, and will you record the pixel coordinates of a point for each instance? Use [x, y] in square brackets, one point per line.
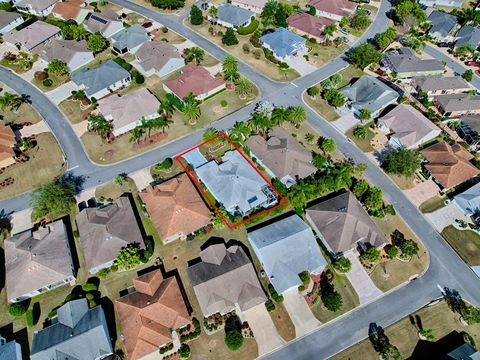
[449, 164]
[79, 333]
[175, 207]
[7, 17]
[283, 42]
[193, 79]
[408, 125]
[7, 141]
[234, 183]
[441, 22]
[69, 10]
[130, 37]
[32, 35]
[468, 35]
[458, 102]
[156, 54]
[64, 50]
[405, 60]
[225, 277]
[99, 77]
[37, 258]
[233, 14]
[149, 313]
[105, 230]
[309, 24]
[282, 154]
[37, 5]
[285, 248]
[369, 93]
[436, 83]
[342, 222]
[140, 103]
[336, 7]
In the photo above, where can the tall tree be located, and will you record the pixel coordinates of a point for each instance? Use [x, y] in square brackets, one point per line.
[166, 108]
[404, 162]
[230, 64]
[96, 43]
[268, 12]
[328, 32]
[191, 111]
[239, 133]
[196, 16]
[229, 38]
[57, 67]
[100, 125]
[194, 54]
[297, 115]
[136, 134]
[279, 115]
[53, 199]
[244, 87]
[160, 123]
[11, 101]
[364, 55]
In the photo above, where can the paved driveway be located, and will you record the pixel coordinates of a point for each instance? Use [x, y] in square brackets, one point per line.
[263, 329]
[62, 92]
[142, 178]
[21, 220]
[446, 216]
[360, 280]
[300, 65]
[301, 315]
[422, 192]
[346, 122]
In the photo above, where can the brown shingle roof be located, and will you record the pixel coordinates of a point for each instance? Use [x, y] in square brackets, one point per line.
[309, 24]
[282, 154]
[7, 140]
[156, 54]
[193, 79]
[175, 207]
[337, 7]
[449, 165]
[147, 314]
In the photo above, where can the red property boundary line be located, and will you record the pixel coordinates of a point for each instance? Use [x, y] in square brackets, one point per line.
[197, 184]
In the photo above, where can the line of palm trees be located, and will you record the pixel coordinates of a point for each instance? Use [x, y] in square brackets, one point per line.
[11, 101]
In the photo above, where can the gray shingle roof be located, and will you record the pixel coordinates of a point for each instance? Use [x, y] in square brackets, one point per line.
[407, 61]
[369, 93]
[130, 37]
[342, 222]
[283, 42]
[435, 83]
[7, 17]
[10, 350]
[468, 35]
[458, 102]
[79, 333]
[99, 77]
[441, 22]
[234, 15]
[469, 200]
[286, 248]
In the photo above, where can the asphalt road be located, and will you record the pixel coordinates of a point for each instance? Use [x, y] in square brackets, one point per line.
[446, 269]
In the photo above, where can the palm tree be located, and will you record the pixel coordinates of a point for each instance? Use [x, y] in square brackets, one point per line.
[360, 132]
[12, 101]
[147, 125]
[230, 64]
[279, 115]
[231, 76]
[166, 108]
[192, 112]
[99, 125]
[194, 54]
[240, 132]
[160, 122]
[328, 32]
[244, 87]
[296, 115]
[260, 122]
[209, 134]
[136, 134]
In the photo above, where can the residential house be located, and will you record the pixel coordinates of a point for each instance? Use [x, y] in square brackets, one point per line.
[38, 260]
[448, 3]
[407, 127]
[449, 164]
[236, 185]
[106, 23]
[284, 44]
[175, 208]
[231, 16]
[76, 333]
[224, 280]
[9, 21]
[35, 7]
[342, 224]
[76, 10]
[150, 313]
[73, 53]
[469, 202]
[159, 58]
[7, 142]
[282, 156]
[457, 104]
[443, 26]
[469, 129]
[369, 93]
[333, 9]
[196, 80]
[10, 350]
[105, 230]
[403, 63]
[101, 80]
[130, 39]
[33, 35]
[286, 248]
[141, 104]
[467, 35]
[463, 352]
[440, 85]
[305, 24]
[252, 5]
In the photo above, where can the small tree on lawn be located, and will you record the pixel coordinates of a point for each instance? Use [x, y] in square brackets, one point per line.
[313, 91]
[360, 188]
[404, 162]
[193, 54]
[409, 248]
[213, 11]
[233, 339]
[229, 38]
[334, 97]
[364, 55]
[100, 125]
[18, 308]
[329, 146]
[196, 16]
[119, 179]
[468, 75]
[128, 257]
[57, 67]
[230, 64]
[332, 301]
[427, 333]
[372, 255]
[343, 264]
[96, 43]
[360, 132]
[53, 199]
[365, 115]
[373, 198]
[184, 351]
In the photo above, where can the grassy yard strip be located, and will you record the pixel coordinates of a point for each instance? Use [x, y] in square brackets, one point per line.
[465, 242]
[363, 144]
[24, 114]
[432, 204]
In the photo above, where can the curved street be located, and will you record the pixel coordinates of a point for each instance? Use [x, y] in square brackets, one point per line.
[446, 269]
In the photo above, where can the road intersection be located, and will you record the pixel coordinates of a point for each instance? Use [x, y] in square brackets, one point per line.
[446, 269]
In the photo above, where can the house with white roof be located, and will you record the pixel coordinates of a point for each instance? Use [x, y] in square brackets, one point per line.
[130, 39]
[252, 5]
[231, 16]
[284, 44]
[35, 7]
[9, 21]
[73, 53]
[469, 201]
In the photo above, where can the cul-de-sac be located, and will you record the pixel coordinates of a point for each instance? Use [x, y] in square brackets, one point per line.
[239, 179]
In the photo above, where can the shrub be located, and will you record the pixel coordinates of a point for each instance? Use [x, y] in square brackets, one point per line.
[269, 305]
[343, 265]
[229, 38]
[139, 78]
[246, 48]
[148, 252]
[255, 40]
[89, 287]
[333, 301]
[257, 54]
[47, 82]
[18, 308]
[392, 251]
[168, 4]
[305, 277]
[184, 351]
[40, 75]
[89, 296]
[196, 16]
[29, 317]
[249, 29]
[234, 339]
[123, 63]
[224, 103]
[301, 288]
[103, 272]
[76, 234]
[371, 255]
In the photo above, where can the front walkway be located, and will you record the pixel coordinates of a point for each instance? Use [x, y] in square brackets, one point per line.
[361, 281]
[300, 313]
[263, 329]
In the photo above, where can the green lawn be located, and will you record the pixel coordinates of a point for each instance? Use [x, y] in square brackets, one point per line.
[363, 144]
[321, 107]
[112, 190]
[465, 242]
[349, 73]
[432, 204]
[24, 114]
[56, 82]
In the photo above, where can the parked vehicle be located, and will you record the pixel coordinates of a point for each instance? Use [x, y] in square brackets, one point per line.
[147, 24]
[443, 44]
[345, 39]
[472, 63]
[344, 31]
